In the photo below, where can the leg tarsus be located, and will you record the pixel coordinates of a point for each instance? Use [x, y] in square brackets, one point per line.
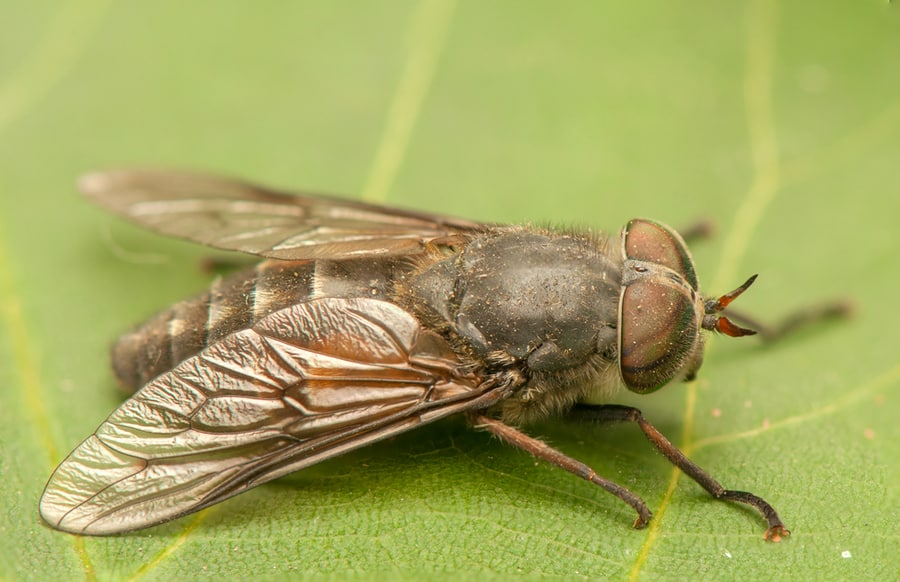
[701, 229]
[838, 309]
[616, 413]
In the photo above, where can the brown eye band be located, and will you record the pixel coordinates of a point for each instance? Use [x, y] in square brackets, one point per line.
[652, 242]
[658, 332]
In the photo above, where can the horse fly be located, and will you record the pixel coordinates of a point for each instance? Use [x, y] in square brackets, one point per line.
[364, 322]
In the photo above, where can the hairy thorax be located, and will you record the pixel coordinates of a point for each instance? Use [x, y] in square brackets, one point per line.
[537, 306]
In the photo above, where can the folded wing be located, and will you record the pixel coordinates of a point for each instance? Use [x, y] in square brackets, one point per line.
[233, 215]
[305, 384]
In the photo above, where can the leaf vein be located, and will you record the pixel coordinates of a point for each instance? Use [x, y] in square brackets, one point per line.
[428, 30]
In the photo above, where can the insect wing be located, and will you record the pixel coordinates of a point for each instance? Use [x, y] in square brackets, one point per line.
[233, 215]
[306, 383]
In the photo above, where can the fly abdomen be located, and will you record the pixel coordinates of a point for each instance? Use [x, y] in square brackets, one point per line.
[238, 302]
[151, 349]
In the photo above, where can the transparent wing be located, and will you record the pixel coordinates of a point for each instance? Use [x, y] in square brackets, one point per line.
[233, 215]
[307, 383]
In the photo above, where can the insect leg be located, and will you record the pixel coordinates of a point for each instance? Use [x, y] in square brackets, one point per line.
[616, 413]
[769, 333]
[701, 229]
[218, 265]
[544, 451]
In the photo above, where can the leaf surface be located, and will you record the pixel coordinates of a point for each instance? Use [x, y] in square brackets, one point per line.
[780, 122]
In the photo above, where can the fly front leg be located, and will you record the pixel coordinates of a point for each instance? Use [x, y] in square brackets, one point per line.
[701, 229]
[615, 413]
[544, 451]
[769, 333]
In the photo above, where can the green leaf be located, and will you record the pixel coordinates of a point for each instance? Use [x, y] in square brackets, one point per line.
[779, 121]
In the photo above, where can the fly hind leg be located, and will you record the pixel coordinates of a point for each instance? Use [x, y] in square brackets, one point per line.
[544, 451]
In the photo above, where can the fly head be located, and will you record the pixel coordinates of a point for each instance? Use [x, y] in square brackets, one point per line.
[661, 311]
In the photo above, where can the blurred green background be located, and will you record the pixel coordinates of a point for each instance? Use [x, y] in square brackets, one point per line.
[779, 121]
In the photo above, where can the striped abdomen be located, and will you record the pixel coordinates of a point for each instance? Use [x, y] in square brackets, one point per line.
[237, 302]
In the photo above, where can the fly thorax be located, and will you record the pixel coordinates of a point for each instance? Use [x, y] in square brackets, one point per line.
[539, 298]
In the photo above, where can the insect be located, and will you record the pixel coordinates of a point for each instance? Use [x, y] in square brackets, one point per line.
[364, 322]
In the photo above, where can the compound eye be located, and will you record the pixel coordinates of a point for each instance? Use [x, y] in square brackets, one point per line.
[653, 242]
[657, 333]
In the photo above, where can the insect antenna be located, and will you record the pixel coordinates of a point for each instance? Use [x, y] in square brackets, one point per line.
[721, 323]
